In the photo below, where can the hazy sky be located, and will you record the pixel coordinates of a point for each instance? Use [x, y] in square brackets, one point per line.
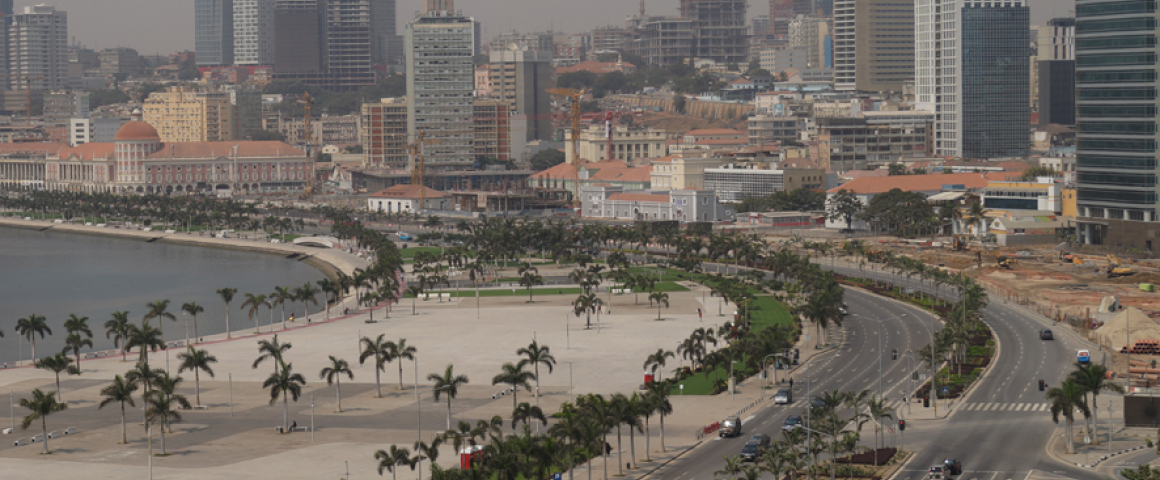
[166, 26]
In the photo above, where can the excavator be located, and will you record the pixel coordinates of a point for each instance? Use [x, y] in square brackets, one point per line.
[1114, 268]
[1003, 261]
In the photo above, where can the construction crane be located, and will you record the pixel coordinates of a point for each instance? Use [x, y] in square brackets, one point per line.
[419, 167]
[306, 136]
[28, 96]
[575, 96]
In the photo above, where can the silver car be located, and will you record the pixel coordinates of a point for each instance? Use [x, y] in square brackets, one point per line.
[783, 397]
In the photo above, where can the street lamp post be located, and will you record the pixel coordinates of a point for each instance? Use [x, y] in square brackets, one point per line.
[763, 368]
[910, 380]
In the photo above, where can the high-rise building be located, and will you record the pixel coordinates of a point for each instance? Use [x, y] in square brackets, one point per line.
[492, 131]
[1116, 142]
[384, 37]
[384, 134]
[254, 38]
[213, 32]
[873, 44]
[972, 69]
[349, 45]
[6, 7]
[119, 61]
[440, 44]
[38, 49]
[719, 30]
[60, 107]
[1055, 77]
[812, 33]
[521, 78]
[184, 116]
[780, 13]
[247, 104]
[298, 27]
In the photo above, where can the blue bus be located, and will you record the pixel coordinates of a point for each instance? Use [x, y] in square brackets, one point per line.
[1083, 356]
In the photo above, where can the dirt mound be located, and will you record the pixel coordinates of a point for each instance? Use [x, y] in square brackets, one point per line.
[1137, 278]
[1115, 331]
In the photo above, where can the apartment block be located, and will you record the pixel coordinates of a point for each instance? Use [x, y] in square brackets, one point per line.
[440, 84]
[520, 78]
[384, 134]
[873, 139]
[185, 116]
[119, 61]
[734, 184]
[213, 32]
[765, 129]
[813, 34]
[38, 49]
[492, 130]
[874, 44]
[254, 38]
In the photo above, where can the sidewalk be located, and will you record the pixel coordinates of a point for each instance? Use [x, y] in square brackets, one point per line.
[1124, 439]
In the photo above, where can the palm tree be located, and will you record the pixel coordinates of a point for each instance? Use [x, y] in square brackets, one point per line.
[159, 309]
[535, 355]
[227, 294]
[733, 466]
[975, 214]
[41, 405]
[119, 391]
[629, 410]
[878, 411]
[514, 374]
[286, 384]
[392, 459]
[530, 277]
[280, 296]
[164, 403]
[198, 361]
[56, 364]
[146, 338]
[775, 459]
[30, 326]
[380, 349]
[255, 302]
[75, 324]
[586, 304]
[658, 397]
[272, 350]
[119, 328]
[193, 309]
[1094, 379]
[1066, 399]
[657, 360]
[330, 291]
[526, 413]
[659, 298]
[447, 385]
[333, 375]
[306, 294]
[414, 291]
[401, 351]
[75, 342]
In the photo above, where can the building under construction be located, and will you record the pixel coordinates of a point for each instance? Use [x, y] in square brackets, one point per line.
[706, 30]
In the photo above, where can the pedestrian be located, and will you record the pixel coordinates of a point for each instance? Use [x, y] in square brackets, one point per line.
[790, 382]
[291, 317]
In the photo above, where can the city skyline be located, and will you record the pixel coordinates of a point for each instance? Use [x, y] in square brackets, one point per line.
[170, 28]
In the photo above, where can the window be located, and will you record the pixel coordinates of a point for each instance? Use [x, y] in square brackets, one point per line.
[1119, 59]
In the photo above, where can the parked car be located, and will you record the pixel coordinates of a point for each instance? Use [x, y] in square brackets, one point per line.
[784, 396]
[792, 423]
[730, 427]
[1046, 335]
[953, 466]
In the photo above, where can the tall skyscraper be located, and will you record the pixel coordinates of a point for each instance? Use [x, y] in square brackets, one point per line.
[520, 78]
[972, 69]
[873, 44]
[440, 84]
[38, 49]
[254, 32]
[6, 7]
[384, 37]
[349, 50]
[1116, 151]
[213, 30]
[298, 28]
[1056, 72]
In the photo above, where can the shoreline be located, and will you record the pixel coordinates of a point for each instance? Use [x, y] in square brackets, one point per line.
[328, 261]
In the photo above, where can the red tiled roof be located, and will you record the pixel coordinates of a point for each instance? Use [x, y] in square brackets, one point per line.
[563, 171]
[137, 131]
[639, 197]
[630, 174]
[89, 151]
[1007, 176]
[408, 191]
[714, 131]
[912, 183]
[226, 149]
[37, 148]
[665, 159]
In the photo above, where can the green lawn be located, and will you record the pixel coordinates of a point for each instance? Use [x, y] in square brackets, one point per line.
[409, 253]
[766, 313]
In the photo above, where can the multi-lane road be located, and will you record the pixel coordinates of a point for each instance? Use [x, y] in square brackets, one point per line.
[1000, 431]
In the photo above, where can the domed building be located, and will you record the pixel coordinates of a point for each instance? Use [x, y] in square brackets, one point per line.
[134, 142]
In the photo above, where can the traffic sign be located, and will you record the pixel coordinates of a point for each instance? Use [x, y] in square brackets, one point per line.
[946, 390]
[556, 476]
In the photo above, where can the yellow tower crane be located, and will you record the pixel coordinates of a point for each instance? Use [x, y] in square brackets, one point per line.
[575, 116]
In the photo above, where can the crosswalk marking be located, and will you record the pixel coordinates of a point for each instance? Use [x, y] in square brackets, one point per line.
[1005, 407]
